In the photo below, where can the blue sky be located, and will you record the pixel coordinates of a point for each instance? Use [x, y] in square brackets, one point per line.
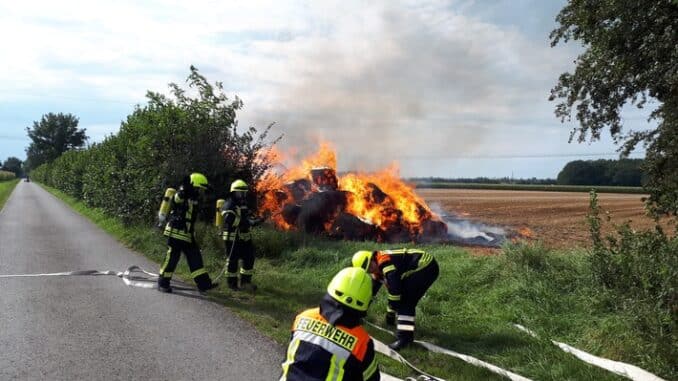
[445, 88]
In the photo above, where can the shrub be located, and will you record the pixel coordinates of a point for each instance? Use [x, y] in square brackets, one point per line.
[6, 175]
[158, 145]
[641, 268]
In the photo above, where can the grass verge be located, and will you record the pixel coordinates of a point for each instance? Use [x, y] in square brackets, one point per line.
[467, 310]
[6, 188]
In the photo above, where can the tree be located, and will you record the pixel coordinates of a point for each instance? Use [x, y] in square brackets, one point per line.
[193, 129]
[13, 164]
[630, 58]
[626, 172]
[53, 135]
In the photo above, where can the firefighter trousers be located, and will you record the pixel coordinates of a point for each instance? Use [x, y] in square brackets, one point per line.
[241, 250]
[194, 259]
[414, 287]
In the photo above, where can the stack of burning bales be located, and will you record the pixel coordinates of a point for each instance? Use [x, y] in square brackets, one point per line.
[317, 205]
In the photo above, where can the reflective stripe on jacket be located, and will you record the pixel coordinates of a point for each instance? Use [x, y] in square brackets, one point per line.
[396, 265]
[236, 222]
[320, 351]
[183, 213]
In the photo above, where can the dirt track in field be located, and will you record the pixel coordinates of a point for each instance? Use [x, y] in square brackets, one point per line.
[556, 218]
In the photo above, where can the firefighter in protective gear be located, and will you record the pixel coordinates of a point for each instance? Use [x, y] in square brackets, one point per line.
[180, 235]
[407, 275]
[237, 222]
[329, 342]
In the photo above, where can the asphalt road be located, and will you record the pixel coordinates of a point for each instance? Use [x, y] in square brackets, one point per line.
[85, 327]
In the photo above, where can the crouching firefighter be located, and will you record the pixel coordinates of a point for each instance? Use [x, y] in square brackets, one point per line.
[180, 229]
[407, 275]
[329, 343]
[237, 222]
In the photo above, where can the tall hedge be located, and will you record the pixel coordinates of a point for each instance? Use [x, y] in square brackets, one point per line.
[6, 175]
[156, 146]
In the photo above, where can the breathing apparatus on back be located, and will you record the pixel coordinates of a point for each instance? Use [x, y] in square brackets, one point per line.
[165, 205]
[219, 219]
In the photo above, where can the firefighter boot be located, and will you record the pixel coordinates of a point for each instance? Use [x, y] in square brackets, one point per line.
[404, 338]
[232, 283]
[164, 284]
[246, 283]
[209, 287]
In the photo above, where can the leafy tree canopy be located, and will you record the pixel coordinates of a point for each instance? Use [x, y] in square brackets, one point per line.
[631, 56]
[626, 172]
[53, 135]
[13, 164]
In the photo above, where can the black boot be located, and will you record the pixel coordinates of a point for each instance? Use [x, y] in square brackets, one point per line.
[164, 285]
[209, 287]
[232, 283]
[404, 338]
[246, 284]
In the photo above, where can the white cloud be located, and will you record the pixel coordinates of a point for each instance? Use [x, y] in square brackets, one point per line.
[380, 79]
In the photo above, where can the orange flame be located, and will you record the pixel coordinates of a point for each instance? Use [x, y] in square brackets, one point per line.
[379, 198]
[525, 232]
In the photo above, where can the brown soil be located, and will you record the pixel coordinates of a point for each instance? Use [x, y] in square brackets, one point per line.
[558, 219]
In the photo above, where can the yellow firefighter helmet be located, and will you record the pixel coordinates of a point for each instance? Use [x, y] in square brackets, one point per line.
[352, 287]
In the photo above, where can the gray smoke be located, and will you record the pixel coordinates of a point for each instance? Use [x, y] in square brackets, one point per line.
[398, 80]
[467, 230]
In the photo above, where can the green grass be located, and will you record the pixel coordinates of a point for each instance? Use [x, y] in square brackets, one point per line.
[6, 188]
[531, 187]
[468, 310]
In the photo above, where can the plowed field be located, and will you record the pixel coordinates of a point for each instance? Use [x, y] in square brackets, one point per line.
[555, 218]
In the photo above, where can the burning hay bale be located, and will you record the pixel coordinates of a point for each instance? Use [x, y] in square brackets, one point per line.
[325, 178]
[432, 230]
[349, 227]
[318, 206]
[318, 211]
[311, 197]
[299, 189]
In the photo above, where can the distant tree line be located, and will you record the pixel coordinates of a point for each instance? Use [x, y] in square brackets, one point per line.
[483, 180]
[624, 172]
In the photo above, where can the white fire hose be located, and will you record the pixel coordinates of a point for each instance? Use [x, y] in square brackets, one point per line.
[135, 276]
[132, 276]
[623, 369]
[385, 350]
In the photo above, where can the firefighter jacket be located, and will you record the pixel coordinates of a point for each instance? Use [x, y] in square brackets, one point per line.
[238, 221]
[183, 214]
[394, 267]
[320, 351]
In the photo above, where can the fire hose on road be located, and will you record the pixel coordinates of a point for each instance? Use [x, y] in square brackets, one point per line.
[131, 277]
[135, 276]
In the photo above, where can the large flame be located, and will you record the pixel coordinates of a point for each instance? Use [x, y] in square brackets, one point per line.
[381, 199]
